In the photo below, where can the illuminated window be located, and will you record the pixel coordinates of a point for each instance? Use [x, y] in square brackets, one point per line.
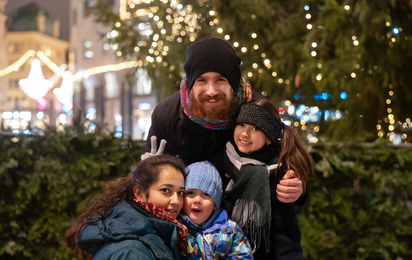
[24, 103]
[144, 82]
[111, 84]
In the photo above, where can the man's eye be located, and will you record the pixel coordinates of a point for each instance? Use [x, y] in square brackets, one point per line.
[189, 192]
[256, 128]
[222, 79]
[240, 124]
[165, 190]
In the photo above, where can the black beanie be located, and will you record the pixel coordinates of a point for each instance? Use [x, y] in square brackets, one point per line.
[215, 55]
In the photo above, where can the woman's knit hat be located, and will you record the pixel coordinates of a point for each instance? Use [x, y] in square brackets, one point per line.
[215, 55]
[205, 177]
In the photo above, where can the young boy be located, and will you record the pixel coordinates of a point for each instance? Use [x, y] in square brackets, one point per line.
[212, 235]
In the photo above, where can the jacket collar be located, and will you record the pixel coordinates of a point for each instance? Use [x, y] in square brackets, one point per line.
[218, 220]
[126, 222]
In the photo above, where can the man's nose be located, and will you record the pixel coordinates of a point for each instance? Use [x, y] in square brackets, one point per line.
[211, 90]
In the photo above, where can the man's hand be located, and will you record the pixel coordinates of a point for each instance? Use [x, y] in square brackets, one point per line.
[289, 188]
[154, 151]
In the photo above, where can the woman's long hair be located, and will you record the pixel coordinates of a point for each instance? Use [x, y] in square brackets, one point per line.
[293, 154]
[121, 189]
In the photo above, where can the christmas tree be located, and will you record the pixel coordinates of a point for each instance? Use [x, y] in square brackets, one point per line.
[340, 69]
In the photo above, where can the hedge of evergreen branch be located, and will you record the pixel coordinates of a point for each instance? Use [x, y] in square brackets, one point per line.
[359, 205]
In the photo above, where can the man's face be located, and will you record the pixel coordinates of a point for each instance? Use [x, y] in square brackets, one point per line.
[212, 97]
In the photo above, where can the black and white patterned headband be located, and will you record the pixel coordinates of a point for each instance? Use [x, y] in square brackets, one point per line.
[256, 115]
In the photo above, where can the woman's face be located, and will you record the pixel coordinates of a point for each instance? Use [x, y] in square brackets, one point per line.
[249, 138]
[168, 191]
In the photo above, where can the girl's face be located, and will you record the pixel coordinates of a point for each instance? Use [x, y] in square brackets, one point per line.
[168, 191]
[249, 139]
[198, 205]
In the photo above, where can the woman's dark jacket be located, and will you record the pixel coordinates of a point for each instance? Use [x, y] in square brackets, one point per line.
[130, 233]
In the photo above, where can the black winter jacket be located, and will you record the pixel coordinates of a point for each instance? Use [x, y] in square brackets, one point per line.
[189, 140]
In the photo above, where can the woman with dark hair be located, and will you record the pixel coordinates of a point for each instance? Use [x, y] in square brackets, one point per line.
[135, 217]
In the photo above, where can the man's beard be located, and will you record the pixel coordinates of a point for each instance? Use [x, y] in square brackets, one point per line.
[220, 113]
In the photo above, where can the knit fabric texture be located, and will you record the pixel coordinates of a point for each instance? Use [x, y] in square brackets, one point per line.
[256, 115]
[215, 55]
[205, 177]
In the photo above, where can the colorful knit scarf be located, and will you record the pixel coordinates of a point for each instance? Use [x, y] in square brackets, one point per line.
[160, 213]
[241, 95]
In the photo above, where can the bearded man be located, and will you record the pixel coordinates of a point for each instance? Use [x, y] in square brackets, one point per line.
[199, 120]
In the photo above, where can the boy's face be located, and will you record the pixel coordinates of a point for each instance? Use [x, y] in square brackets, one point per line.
[249, 138]
[198, 206]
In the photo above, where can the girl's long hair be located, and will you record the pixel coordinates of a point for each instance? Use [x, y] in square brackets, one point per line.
[293, 154]
[121, 189]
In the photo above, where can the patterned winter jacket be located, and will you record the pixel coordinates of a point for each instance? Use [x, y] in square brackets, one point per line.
[217, 238]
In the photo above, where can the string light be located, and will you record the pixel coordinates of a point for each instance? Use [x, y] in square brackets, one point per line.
[17, 64]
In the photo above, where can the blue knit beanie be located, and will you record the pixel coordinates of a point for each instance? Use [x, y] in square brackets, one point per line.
[205, 177]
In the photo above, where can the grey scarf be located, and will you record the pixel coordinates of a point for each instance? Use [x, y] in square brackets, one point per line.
[247, 195]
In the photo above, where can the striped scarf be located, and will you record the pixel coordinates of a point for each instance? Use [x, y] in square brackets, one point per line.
[160, 213]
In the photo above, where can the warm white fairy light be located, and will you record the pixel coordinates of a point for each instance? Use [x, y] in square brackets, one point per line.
[17, 64]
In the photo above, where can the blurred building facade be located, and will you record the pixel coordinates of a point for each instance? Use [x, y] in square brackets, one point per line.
[122, 98]
[30, 28]
[3, 54]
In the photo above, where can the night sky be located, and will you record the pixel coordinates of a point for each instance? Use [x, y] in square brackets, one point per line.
[59, 8]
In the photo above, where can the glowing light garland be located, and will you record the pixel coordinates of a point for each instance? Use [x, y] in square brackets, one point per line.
[107, 68]
[56, 69]
[17, 64]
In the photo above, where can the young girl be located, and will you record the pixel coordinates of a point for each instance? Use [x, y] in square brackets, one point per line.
[212, 235]
[262, 150]
[135, 217]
